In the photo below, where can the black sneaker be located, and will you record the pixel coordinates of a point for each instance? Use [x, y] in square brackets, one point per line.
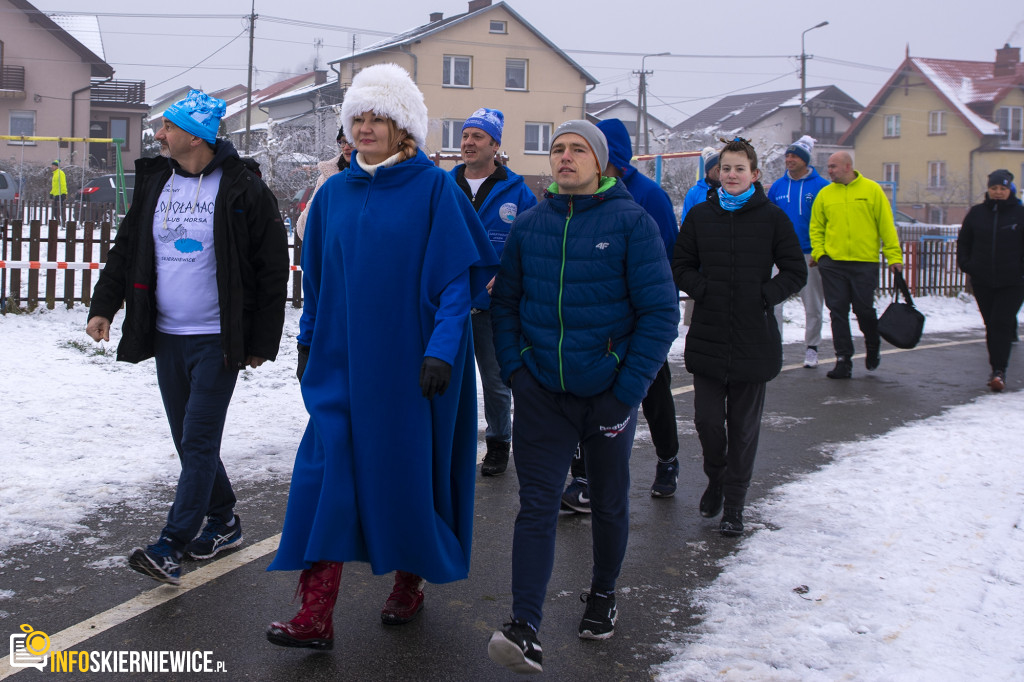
[159, 561]
[599, 618]
[842, 370]
[711, 501]
[665, 478]
[873, 359]
[516, 647]
[577, 496]
[732, 522]
[215, 538]
[496, 460]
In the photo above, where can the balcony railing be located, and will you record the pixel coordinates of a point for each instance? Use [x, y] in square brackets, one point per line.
[119, 92]
[12, 78]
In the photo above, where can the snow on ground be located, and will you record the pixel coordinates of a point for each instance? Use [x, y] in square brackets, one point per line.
[908, 550]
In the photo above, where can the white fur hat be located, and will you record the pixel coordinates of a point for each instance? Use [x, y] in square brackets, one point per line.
[386, 90]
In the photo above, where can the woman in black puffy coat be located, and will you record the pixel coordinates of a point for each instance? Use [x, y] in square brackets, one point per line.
[990, 249]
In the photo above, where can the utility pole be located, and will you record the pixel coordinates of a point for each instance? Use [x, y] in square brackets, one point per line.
[641, 105]
[248, 95]
[803, 79]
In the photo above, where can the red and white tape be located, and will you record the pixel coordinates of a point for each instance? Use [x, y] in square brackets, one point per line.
[61, 265]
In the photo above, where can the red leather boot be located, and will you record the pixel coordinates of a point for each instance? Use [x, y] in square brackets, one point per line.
[406, 599]
[313, 626]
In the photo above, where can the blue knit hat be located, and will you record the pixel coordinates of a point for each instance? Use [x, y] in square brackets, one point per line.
[198, 114]
[491, 121]
[802, 148]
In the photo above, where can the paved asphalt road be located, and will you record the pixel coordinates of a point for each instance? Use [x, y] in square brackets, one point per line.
[672, 551]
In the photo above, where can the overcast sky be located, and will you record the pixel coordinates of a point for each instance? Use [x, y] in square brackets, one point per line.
[864, 41]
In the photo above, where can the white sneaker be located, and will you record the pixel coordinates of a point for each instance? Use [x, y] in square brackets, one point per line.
[811, 358]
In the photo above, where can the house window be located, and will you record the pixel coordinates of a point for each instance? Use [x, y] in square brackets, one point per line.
[936, 174]
[119, 129]
[936, 215]
[457, 71]
[1011, 124]
[451, 134]
[936, 122]
[823, 125]
[892, 125]
[891, 173]
[23, 123]
[499, 27]
[515, 74]
[538, 138]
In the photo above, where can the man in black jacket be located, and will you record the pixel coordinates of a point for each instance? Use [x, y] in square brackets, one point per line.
[207, 230]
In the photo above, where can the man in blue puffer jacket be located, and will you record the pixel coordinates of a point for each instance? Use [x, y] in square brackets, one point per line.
[659, 405]
[584, 311]
[498, 195]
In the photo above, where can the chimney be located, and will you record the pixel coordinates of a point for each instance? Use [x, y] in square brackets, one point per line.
[319, 77]
[1007, 59]
[436, 16]
[475, 5]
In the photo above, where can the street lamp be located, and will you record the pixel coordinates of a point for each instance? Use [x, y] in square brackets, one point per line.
[803, 78]
[641, 104]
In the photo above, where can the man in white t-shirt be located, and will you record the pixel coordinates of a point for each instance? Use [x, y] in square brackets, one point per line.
[201, 264]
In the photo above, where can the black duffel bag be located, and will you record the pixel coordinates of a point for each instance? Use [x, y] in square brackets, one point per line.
[901, 324]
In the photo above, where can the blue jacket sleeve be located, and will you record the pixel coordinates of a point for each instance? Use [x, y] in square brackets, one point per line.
[450, 319]
[659, 206]
[656, 305]
[505, 299]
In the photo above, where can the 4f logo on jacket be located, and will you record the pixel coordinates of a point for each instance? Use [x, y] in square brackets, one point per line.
[612, 431]
[602, 246]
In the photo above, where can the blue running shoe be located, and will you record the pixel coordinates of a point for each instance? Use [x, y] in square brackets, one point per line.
[577, 496]
[159, 561]
[216, 537]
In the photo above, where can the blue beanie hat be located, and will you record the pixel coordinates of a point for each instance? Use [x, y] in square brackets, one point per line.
[198, 114]
[802, 148]
[491, 121]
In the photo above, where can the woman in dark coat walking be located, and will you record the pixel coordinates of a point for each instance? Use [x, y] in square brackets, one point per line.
[723, 259]
[990, 249]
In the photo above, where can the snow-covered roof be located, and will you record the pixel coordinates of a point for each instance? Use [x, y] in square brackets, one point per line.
[83, 28]
[962, 83]
[742, 111]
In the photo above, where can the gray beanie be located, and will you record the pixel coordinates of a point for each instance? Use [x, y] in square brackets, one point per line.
[589, 132]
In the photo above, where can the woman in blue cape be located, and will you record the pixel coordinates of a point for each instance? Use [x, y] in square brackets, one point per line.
[384, 473]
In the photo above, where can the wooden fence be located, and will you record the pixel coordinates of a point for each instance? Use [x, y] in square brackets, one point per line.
[54, 264]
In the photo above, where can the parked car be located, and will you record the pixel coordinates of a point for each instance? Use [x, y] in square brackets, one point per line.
[901, 217]
[98, 197]
[8, 194]
[298, 203]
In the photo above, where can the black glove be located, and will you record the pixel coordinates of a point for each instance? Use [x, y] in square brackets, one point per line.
[300, 368]
[434, 377]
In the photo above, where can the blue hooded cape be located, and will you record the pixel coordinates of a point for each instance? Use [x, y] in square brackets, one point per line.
[383, 475]
[644, 191]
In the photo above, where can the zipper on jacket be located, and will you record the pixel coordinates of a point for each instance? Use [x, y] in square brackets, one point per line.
[561, 289]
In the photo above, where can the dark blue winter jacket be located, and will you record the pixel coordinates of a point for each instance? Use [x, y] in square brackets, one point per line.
[501, 198]
[645, 191]
[584, 297]
[795, 197]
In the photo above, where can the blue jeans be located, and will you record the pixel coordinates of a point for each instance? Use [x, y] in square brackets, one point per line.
[497, 396]
[196, 388]
[547, 428]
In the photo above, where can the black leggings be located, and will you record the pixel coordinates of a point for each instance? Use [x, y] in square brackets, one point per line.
[999, 307]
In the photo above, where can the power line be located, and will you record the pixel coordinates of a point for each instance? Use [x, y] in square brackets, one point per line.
[178, 75]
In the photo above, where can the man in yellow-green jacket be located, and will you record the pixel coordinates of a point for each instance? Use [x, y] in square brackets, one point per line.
[851, 221]
[58, 191]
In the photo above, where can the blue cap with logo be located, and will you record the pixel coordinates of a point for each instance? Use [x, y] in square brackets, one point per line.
[198, 114]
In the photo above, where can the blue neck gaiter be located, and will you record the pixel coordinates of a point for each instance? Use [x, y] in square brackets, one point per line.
[731, 203]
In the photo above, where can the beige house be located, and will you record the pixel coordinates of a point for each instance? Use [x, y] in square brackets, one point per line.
[492, 57]
[54, 82]
[938, 127]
